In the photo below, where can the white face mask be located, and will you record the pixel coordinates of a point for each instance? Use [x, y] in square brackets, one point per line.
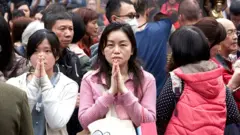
[133, 23]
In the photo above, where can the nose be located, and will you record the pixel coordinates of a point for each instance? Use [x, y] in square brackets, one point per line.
[96, 26]
[42, 53]
[235, 36]
[68, 33]
[116, 49]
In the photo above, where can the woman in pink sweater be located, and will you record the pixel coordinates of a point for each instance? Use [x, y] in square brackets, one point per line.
[117, 80]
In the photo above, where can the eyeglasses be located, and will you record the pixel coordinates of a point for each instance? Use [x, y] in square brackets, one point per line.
[130, 15]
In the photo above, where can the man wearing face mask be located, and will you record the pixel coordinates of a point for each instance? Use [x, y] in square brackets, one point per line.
[121, 11]
[151, 37]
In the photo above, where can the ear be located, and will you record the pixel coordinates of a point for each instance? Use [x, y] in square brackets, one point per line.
[180, 17]
[147, 12]
[113, 18]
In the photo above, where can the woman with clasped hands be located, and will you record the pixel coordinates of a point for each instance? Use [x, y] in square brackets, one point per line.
[51, 95]
[117, 81]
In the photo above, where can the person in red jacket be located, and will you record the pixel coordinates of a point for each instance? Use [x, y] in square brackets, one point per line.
[197, 102]
[169, 7]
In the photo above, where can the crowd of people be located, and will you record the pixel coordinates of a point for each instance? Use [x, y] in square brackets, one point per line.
[67, 67]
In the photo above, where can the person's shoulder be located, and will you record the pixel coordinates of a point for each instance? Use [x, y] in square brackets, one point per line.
[17, 80]
[70, 53]
[90, 74]
[19, 58]
[78, 51]
[162, 23]
[95, 46]
[148, 76]
[11, 91]
[158, 27]
[65, 80]
[71, 56]
[94, 49]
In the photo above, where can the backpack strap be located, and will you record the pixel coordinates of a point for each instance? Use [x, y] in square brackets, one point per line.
[176, 85]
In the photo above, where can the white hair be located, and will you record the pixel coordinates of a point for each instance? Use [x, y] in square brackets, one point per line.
[30, 29]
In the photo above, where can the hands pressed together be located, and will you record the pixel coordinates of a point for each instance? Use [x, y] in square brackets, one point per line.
[117, 81]
[40, 67]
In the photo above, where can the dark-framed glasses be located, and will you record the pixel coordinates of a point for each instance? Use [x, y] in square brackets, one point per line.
[130, 15]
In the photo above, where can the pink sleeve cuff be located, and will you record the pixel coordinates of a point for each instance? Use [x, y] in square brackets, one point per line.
[127, 98]
[106, 100]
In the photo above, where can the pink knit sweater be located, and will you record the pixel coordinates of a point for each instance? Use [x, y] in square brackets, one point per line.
[94, 104]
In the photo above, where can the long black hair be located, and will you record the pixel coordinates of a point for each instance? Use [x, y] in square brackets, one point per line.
[133, 64]
[6, 46]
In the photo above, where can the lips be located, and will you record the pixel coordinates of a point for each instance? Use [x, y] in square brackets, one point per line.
[116, 59]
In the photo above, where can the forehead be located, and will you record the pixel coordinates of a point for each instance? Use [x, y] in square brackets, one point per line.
[44, 44]
[117, 36]
[60, 23]
[23, 7]
[229, 26]
[126, 9]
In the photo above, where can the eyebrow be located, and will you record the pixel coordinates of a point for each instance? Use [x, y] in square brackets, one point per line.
[120, 41]
[47, 47]
[65, 26]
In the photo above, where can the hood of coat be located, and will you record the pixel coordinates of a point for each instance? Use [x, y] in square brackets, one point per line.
[204, 77]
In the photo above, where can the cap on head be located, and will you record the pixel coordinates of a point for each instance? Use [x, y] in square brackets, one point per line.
[31, 28]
